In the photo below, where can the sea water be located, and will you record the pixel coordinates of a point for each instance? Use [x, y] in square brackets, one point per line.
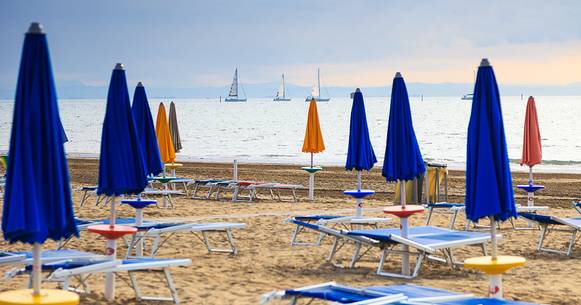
[263, 131]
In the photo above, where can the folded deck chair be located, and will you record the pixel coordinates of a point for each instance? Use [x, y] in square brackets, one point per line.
[63, 271]
[394, 294]
[345, 222]
[550, 224]
[159, 233]
[424, 243]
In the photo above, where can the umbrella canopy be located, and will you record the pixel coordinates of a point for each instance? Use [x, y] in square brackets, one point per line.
[166, 148]
[146, 131]
[360, 155]
[403, 159]
[532, 151]
[488, 178]
[313, 142]
[37, 197]
[122, 167]
[173, 128]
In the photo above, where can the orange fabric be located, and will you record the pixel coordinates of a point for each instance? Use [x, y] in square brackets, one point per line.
[532, 152]
[313, 142]
[166, 149]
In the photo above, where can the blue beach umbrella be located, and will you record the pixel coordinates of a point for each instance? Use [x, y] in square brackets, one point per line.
[403, 159]
[122, 168]
[146, 131]
[488, 179]
[37, 199]
[360, 154]
[489, 191]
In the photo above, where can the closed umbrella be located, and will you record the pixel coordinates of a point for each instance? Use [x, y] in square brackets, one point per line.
[166, 148]
[489, 191]
[37, 198]
[360, 154]
[121, 165]
[403, 159]
[173, 128]
[313, 143]
[532, 151]
[146, 131]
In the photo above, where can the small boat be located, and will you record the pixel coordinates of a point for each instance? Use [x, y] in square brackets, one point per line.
[233, 94]
[281, 93]
[467, 97]
[316, 91]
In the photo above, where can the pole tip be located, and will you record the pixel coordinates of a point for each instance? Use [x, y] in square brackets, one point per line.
[139, 84]
[119, 66]
[357, 90]
[485, 62]
[35, 28]
[398, 75]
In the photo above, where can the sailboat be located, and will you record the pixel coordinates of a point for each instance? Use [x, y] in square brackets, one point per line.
[233, 94]
[316, 91]
[281, 93]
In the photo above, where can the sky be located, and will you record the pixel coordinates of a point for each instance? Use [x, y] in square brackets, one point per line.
[184, 43]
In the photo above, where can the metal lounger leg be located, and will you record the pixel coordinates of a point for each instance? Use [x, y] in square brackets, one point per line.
[572, 243]
[171, 286]
[544, 231]
[135, 285]
[430, 211]
[355, 256]
[453, 221]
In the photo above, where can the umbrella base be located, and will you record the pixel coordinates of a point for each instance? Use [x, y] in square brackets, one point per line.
[530, 188]
[499, 266]
[138, 203]
[358, 194]
[47, 296]
[311, 170]
[112, 233]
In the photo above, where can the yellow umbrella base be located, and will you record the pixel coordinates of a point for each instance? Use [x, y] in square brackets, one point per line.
[173, 165]
[47, 296]
[499, 266]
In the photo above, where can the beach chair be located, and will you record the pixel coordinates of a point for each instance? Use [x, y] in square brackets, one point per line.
[62, 272]
[159, 233]
[274, 189]
[211, 184]
[344, 222]
[375, 295]
[448, 207]
[165, 194]
[47, 256]
[424, 243]
[91, 191]
[551, 224]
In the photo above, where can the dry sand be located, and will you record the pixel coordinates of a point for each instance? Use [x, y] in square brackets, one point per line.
[267, 262]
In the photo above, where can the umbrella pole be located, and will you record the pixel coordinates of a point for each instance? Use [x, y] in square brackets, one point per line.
[111, 255]
[494, 280]
[235, 175]
[405, 257]
[139, 222]
[358, 201]
[36, 269]
[311, 160]
[311, 182]
[530, 175]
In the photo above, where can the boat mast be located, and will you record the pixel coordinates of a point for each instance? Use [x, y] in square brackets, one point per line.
[236, 78]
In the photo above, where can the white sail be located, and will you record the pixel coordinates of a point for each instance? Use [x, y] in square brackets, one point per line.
[280, 92]
[234, 87]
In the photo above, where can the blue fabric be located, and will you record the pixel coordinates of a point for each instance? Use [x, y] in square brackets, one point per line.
[121, 163]
[488, 178]
[426, 236]
[360, 155]
[403, 159]
[37, 196]
[540, 218]
[146, 132]
[413, 291]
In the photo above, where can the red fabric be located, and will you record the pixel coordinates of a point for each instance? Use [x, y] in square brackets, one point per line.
[532, 151]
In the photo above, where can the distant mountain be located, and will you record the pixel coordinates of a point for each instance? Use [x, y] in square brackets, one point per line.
[267, 90]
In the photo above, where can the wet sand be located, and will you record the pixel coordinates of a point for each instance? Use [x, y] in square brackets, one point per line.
[267, 262]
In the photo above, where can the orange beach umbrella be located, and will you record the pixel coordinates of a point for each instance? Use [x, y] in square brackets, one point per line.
[313, 142]
[166, 149]
[532, 152]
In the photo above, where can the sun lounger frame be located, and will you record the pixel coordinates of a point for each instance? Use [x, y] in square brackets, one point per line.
[364, 244]
[550, 224]
[346, 222]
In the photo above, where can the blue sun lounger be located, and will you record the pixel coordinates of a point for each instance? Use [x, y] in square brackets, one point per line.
[347, 222]
[424, 242]
[375, 295]
[577, 206]
[551, 224]
[64, 270]
[25, 257]
[160, 232]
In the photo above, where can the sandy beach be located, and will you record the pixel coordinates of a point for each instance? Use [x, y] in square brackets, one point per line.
[267, 262]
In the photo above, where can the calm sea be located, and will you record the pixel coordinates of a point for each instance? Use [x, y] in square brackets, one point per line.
[272, 132]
